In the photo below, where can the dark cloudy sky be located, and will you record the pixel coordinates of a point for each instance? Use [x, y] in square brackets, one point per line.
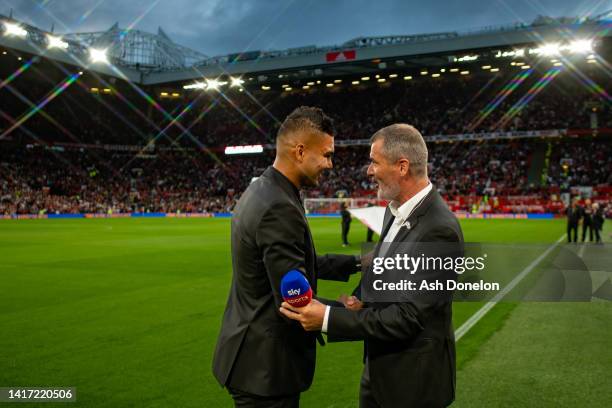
[217, 27]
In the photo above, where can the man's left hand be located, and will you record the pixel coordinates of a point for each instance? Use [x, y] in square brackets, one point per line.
[310, 316]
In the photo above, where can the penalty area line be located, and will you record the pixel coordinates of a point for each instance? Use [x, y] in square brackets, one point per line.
[475, 318]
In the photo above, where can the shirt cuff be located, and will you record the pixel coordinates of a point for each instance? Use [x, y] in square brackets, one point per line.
[325, 319]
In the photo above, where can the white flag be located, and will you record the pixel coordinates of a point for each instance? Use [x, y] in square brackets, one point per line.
[371, 217]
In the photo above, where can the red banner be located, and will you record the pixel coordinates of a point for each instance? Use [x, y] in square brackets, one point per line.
[339, 56]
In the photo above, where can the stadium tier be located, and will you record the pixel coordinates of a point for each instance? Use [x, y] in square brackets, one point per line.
[517, 134]
[485, 177]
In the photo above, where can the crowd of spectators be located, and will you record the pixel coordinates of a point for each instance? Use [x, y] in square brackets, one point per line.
[38, 179]
[184, 169]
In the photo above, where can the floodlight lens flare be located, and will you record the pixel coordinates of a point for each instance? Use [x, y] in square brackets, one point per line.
[14, 29]
[56, 42]
[97, 55]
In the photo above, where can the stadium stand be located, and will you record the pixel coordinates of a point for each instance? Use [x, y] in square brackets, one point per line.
[106, 145]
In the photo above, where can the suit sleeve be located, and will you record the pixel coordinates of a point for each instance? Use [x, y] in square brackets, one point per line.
[329, 302]
[280, 237]
[396, 321]
[336, 267]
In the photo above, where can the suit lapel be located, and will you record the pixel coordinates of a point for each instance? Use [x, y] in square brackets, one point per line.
[313, 278]
[387, 222]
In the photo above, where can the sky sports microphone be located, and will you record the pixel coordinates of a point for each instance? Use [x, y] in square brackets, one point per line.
[295, 289]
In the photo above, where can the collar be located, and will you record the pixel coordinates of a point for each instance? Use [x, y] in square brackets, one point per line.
[402, 213]
[284, 181]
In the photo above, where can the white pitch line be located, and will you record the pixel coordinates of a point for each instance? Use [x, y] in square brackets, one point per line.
[581, 251]
[475, 318]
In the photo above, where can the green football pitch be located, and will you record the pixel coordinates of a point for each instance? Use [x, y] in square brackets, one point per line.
[127, 311]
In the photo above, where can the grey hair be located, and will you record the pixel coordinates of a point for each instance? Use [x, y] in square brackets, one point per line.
[404, 141]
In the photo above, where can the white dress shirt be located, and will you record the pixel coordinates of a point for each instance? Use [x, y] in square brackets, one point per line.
[401, 215]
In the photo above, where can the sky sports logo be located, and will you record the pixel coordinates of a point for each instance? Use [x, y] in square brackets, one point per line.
[294, 292]
[296, 289]
[298, 301]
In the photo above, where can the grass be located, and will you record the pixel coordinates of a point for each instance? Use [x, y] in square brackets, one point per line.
[128, 312]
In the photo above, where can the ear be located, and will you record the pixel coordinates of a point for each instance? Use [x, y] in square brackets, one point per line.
[404, 167]
[299, 152]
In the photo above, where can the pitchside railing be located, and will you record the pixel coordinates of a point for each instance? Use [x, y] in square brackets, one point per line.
[332, 205]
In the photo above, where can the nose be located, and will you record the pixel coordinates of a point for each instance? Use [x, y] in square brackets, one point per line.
[370, 170]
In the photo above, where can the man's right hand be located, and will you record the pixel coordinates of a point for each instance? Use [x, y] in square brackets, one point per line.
[350, 302]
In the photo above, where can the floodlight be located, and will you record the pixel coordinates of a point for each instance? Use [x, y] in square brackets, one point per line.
[97, 55]
[236, 82]
[549, 49]
[196, 85]
[213, 84]
[581, 46]
[14, 29]
[56, 42]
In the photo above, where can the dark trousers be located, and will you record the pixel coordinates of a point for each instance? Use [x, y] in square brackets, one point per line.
[246, 400]
[345, 230]
[572, 228]
[584, 229]
[597, 233]
[369, 235]
[366, 397]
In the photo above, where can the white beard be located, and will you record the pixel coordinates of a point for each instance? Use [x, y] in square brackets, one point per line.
[389, 193]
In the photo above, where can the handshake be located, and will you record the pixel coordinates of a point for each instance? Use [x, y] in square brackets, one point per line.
[300, 306]
[350, 302]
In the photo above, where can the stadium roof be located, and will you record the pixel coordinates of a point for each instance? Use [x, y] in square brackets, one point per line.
[138, 49]
[155, 59]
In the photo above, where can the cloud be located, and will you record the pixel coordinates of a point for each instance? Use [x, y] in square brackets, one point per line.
[217, 27]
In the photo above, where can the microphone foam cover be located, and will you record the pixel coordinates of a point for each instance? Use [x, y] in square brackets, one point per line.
[295, 288]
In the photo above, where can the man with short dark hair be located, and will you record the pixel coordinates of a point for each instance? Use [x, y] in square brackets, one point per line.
[264, 359]
[409, 342]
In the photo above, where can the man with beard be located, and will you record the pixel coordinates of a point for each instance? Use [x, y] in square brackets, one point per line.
[409, 342]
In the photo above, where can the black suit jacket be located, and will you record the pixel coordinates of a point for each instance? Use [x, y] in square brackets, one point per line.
[586, 215]
[573, 215]
[410, 346]
[259, 351]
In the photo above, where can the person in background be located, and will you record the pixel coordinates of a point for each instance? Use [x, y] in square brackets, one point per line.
[573, 217]
[587, 220]
[598, 220]
[346, 223]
